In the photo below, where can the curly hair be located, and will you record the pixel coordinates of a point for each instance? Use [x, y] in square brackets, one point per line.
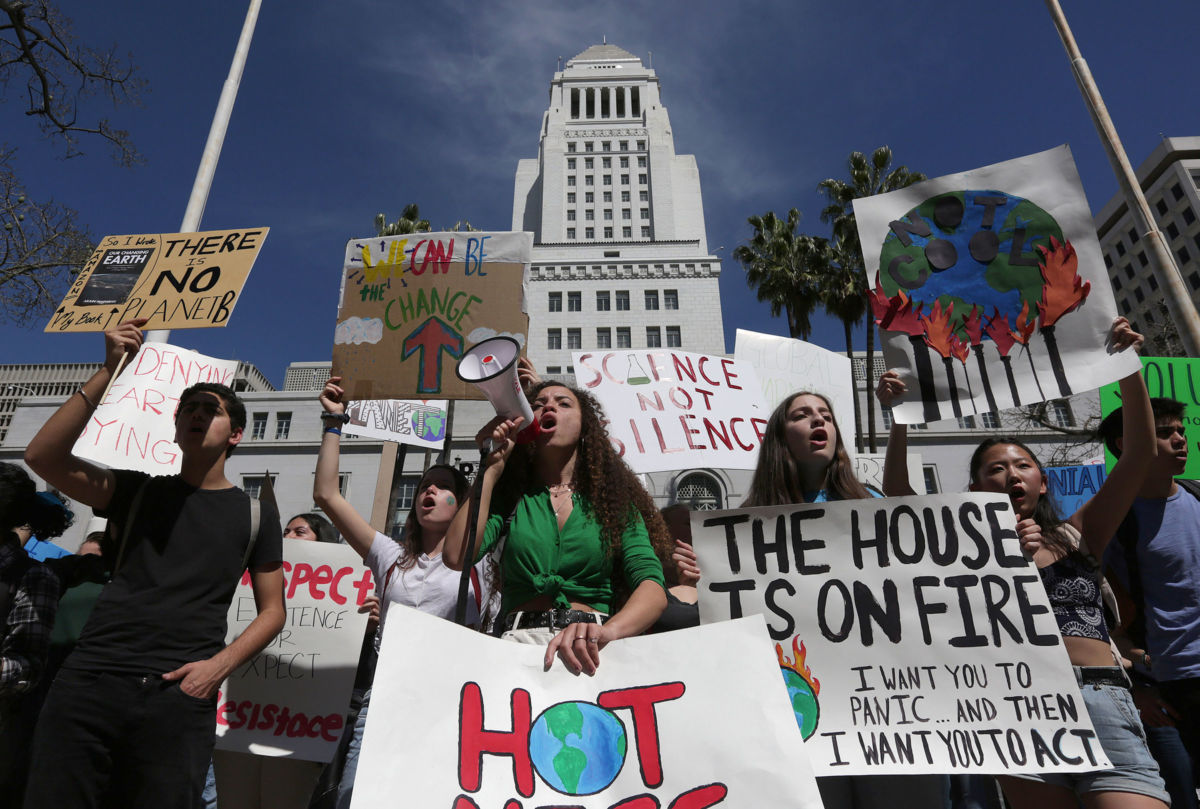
[776, 480]
[610, 493]
[22, 504]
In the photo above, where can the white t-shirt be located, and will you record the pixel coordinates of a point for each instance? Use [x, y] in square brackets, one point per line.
[428, 585]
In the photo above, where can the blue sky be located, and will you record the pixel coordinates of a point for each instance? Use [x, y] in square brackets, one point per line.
[351, 109]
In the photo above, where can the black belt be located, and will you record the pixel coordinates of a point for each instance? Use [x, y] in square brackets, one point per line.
[1101, 675]
[552, 619]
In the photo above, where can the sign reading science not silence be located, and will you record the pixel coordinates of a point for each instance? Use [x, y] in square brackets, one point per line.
[174, 280]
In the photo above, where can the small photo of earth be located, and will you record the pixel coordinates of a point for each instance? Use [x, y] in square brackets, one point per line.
[578, 748]
[804, 702]
[434, 424]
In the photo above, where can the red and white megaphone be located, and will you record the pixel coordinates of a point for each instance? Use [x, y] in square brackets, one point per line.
[491, 365]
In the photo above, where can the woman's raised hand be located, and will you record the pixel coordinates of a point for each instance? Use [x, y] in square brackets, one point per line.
[331, 396]
[686, 566]
[1123, 336]
[502, 433]
[1030, 535]
[891, 388]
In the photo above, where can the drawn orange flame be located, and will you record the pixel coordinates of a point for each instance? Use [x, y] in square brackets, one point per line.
[937, 328]
[959, 349]
[973, 325]
[997, 329]
[1025, 326]
[1063, 290]
[797, 663]
[883, 307]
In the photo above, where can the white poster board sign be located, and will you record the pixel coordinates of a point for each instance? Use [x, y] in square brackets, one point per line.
[692, 718]
[990, 288]
[672, 410]
[913, 634]
[134, 427]
[784, 366]
[419, 422]
[868, 467]
[291, 698]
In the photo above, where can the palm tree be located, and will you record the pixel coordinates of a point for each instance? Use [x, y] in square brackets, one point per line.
[410, 221]
[779, 265]
[868, 176]
[844, 297]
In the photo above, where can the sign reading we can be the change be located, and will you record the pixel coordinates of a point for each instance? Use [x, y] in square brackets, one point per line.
[174, 280]
[912, 634]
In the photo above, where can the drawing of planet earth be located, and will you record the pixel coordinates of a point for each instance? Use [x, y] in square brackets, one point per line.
[577, 748]
[804, 702]
[434, 425]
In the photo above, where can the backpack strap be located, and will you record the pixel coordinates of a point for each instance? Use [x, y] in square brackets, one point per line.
[475, 587]
[255, 525]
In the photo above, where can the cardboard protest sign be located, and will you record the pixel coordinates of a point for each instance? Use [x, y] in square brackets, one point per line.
[134, 426]
[912, 633]
[1072, 486]
[291, 698]
[1170, 378]
[691, 718]
[869, 469]
[421, 423]
[676, 410]
[410, 305]
[784, 366]
[175, 280]
[1001, 263]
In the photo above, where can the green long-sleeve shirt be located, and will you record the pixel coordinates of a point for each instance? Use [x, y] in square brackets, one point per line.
[566, 566]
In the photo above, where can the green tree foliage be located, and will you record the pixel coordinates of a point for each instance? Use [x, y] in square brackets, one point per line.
[410, 221]
[55, 75]
[783, 267]
[867, 176]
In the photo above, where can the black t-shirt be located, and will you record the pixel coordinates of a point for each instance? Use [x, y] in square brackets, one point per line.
[167, 603]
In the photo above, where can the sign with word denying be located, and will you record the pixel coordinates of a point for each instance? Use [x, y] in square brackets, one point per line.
[912, 634]
[686, 719]
[174, 280]
[676, 410]
[411, 305]
[291, 698]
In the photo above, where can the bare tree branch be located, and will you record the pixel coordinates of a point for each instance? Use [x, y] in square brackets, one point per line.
[39, 50]
[41, 249]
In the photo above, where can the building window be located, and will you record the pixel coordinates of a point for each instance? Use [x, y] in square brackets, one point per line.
[1188, 216]
[624, 196]
[258, 427]
[641, 161]
[1116, 282]
[1172, 231]
[554, 339]
[589, 180]
[571, 215]
[589, 197]
[608, 179]
[253, 484]
[608, 232]
[1193, 279]
[570, 164]
[589, 233]
[606, 146]
[608, 214]
[1060, 413]
[571, 198]
[587, 147]
[574, 339]
[570, 233]
[651, 299]
[653, 337]
[699, 492]
[624, 162]
[1184, 255]
[990, 420]
[571, 147]
[283, 425]
[626, 213]
[643, 196]
[553, 370]
[608, 196]
[1153, 282]
[604, 338]
[1177, 192]
[1120, 248]
[622, 300]
[966, 422]
[626, 233]
[1133, 237]
[641, 144]
[641, 179]
[1145, 262]
[1108, 262]
[624, 146]
[588, 163]
[589, 214]
[645, 213]
[1129, 271]
[670, 299]
[645, 231]
[931, 478]
[624, 179]
[602, 301]
[674, 338]
[574, 301]
[624, 339]
[1126, 308]
[555, 302]
[606, 163]
[1161, 206]
[1141, 296]
[571, 179]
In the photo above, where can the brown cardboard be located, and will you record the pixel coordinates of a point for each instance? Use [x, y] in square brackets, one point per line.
[411, 305]
[175, 280]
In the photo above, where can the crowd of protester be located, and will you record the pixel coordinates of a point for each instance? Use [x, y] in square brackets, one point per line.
[111, 658]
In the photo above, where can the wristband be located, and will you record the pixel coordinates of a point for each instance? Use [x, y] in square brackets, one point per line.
[333, 430]
[341, 418]
[91, 404]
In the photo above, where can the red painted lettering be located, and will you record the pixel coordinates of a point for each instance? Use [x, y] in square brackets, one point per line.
[727, 367]
[474, 741]
[701, 797]
[688, 432]
[641, 701]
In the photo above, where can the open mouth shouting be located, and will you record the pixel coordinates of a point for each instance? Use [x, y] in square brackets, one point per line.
[819, 438]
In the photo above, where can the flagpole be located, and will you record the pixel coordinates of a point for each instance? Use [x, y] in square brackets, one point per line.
[1179, 301]
[216, 139]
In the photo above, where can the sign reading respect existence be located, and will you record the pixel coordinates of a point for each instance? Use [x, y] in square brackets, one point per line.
[134, 426]
[1170, 378]
[411, 305]
[421, 423]
[174, 280]
[686, 719]
[912, 634]
[291, 698]
[990, 288]
[676, 410]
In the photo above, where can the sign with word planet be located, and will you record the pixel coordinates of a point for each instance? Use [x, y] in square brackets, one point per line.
[686, 719]
[676, 410]
[990, 289]
[912, 634]
[174, 280]
[411, 305]
[291, 698]
[421, 423]
[134, 425]
[1175, 378]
